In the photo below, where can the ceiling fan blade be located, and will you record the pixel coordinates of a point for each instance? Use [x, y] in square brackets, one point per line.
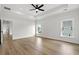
[40, 6]
[33, 5]
[41, 9]
[36, 6]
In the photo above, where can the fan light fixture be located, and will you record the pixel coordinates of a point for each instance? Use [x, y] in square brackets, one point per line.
[36, 9]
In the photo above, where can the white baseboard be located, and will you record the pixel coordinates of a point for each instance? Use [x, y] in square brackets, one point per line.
[71, 40]
[22, 37]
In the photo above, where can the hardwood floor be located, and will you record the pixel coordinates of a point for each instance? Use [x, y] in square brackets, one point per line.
[38, 46]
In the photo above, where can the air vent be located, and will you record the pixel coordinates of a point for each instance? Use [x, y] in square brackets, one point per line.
[7, 8]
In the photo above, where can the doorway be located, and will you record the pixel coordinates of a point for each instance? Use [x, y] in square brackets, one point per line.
[0, 32]
[6, 30]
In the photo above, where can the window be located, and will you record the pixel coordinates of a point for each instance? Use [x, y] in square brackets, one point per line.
[67, 28]
[38, 29]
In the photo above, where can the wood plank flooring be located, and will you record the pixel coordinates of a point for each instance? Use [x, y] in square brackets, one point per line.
[38, 46]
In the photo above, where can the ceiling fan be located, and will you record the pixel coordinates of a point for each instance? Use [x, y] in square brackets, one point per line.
[37, 7]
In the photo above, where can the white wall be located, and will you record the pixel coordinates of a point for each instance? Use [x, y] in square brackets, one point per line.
[22, 27]
[51, 26]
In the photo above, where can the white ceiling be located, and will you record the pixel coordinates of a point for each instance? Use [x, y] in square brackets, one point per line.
[24, 9]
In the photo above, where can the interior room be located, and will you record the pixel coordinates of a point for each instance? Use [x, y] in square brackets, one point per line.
[39, 29]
